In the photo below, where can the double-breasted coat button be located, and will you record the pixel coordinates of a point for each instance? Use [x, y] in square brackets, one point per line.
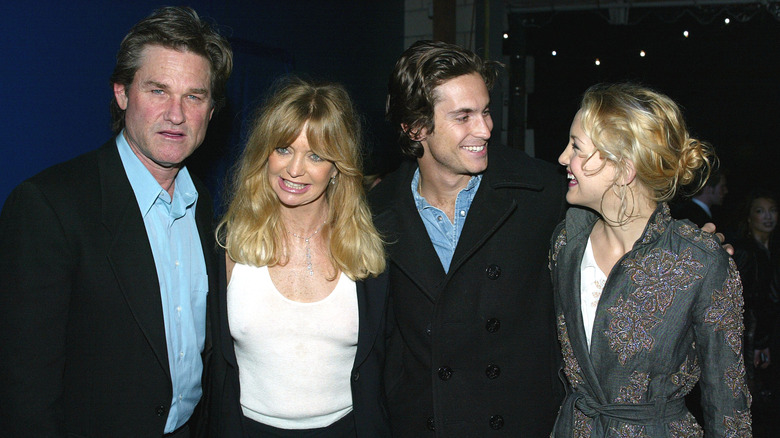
[356, 376]
[492, 371]
[493, 272]
[160, 410]
[430, 424]
[445, 373]
[492, 325]
[496, 422]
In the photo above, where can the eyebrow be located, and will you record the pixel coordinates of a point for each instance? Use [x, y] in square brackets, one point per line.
[467, 110]
[162, 86]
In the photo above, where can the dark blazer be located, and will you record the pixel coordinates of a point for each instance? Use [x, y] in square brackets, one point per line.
[473, 352]
[691, 211]
[82, 339]
[368, 405]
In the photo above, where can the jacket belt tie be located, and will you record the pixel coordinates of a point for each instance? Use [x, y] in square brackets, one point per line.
[660, 411]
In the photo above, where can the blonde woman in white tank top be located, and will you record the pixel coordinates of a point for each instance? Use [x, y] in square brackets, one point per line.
[298, 337]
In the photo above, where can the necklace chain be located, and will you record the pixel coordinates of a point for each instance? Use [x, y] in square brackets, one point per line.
[309, 266]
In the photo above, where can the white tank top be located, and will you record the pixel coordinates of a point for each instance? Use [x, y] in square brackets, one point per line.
[295, 359]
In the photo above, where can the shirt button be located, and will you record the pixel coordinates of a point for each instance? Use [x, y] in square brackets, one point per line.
[177, 263]
[462, 213]
[428, 330]
[180, 397]
[356, 376]
[181, 354]
[445, 373]
[178, 309]
[438, 218]
[430, 424]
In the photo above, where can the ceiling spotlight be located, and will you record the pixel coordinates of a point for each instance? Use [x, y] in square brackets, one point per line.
[642, 53]
[598, 62]
[554, 53]
[727, 21]
[506, 35]
[685, 33]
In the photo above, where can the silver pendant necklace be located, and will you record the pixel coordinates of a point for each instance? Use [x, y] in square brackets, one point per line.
[309, 266]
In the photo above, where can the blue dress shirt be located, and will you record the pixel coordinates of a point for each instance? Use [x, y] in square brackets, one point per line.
[181, 272]
[443, 233]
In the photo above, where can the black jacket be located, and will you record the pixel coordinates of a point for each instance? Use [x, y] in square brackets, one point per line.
[473, 352]
[82, 339]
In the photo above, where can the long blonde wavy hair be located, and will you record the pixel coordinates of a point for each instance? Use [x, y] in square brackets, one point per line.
[628, 121]
[252, 231]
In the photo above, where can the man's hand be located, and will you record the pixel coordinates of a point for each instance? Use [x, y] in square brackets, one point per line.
[710, 228]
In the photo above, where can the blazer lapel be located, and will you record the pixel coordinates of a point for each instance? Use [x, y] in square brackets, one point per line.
[130, 253]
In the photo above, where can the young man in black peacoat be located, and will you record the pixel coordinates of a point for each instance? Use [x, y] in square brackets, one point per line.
[472, 349]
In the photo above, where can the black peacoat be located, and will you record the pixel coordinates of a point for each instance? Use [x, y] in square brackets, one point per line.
[473, 352]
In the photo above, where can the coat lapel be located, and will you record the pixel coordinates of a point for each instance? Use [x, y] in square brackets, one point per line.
[130, 253]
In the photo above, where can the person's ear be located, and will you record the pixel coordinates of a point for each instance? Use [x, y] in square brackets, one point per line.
[629, 172]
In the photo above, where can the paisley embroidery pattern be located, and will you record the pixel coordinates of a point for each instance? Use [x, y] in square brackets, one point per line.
[688, 375]
[629, 431]
[635, 392]
[583, 425]
[686, 428]
[726, 310]
[629, 329]
[738, 426]
[571, 366]
[697, 235]
[735, 380]
[560, 242]
[657, 224]
[659, 275]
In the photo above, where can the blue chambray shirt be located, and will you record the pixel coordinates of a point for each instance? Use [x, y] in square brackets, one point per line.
[181, 271]
[443, 233]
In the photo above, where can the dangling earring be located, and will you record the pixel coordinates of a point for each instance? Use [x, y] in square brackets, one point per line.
[333, 180]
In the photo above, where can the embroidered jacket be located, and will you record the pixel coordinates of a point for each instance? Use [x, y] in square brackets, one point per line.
[670, 315]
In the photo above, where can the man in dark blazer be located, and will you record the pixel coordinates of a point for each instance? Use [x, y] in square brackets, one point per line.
[698, 209]
[472, 349]
[102, 286]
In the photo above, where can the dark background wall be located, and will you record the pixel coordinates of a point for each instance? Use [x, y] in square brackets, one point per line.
[57, 58]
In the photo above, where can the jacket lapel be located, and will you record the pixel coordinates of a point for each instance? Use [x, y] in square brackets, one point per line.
[130, 253]
[372, 300]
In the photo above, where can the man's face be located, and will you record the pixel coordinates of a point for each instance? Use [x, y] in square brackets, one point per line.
[457, 147]
[719, 192]
[167, 107]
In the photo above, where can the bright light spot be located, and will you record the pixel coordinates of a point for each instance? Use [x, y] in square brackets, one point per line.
[685, 34]
[506, 35]
[598, 62]
[554, 53]
[642, 53]
[727, 21]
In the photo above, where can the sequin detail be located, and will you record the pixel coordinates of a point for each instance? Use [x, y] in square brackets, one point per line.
[726, 310]
[686, 428]
[660, 274]
[657, 224]
[629, 431]
[735, 380]
[560, 242]
[635, 392]
[583, 425]
[571, 367]
[687, 376]
[697, 235]
[738, 426]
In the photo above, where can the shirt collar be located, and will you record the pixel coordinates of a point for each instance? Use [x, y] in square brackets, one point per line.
[703, 206]
[420, 201]
[147, 190]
